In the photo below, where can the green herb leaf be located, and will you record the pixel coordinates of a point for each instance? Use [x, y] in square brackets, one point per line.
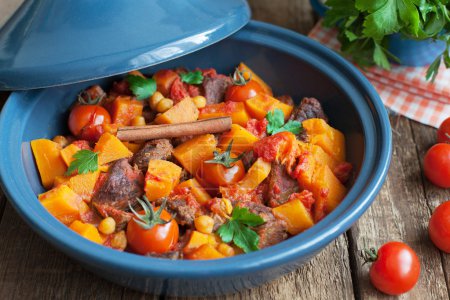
[225, 158]
[276, 124]
[433, 69]
[85, 161]
[142, 88]
[380, 57]
[238, 230]
[195, 77]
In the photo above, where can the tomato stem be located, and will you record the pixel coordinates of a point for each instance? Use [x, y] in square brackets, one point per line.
[369, 255]
[149, 218]
[225, 158]
[238, 77]
[84, 98]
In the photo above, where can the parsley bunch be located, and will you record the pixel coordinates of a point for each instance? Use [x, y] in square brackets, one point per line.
[364, 27]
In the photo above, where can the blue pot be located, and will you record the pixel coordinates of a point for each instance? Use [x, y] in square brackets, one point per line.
[415, 53]
[292, 64]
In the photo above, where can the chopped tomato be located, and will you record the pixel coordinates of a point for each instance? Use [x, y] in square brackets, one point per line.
[274, 147]
[257, 127]
[178, 91]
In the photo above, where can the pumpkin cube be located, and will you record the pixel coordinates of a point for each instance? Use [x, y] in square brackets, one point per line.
[182, 112]
[255, 175]
[133, 147]
[196, 240]
[244, 68]
[295, 214]
[260, 105]
[327, 190]
[196, 189]
[87, 231]
[84, 184]
[110, 148]
[124, 109]
[49, 161]
[319, 154]
[161, 178]
[63, 203]
[331, 140]
[193, 152]
[243, 139]
[205, 251]
[68, 152]
[235, 110]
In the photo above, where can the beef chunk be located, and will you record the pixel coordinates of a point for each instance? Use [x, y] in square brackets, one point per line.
[122, 185]
[309, 108]
[92, 93]
[286, 99]
[154, 149]
[281, 185]
[182, 207]
[273, 230]
[271, 233]
[215, 88]
[248, 159]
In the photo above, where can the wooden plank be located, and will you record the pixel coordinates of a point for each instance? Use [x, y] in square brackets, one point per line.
[326, 276]
[295, 15]
[424, 138]
[30, 268]
[400, 213]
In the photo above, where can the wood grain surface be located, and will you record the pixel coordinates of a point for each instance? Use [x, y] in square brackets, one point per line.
[30, 268]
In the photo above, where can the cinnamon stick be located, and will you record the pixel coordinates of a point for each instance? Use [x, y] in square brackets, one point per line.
[150, 132]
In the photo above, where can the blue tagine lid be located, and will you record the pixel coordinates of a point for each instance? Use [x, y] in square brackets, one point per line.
[47, 43]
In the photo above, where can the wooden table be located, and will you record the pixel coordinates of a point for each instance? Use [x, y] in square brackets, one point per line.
[32, 269]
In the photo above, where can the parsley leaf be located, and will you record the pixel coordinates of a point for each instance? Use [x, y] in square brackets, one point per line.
[142, 88]
[276, 124]
[84, 161]
[238, 230]
[195, 77]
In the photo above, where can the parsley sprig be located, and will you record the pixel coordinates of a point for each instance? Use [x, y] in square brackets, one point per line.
[365, 25]
[195, 77]
[225, 158]
[141, 87]
[276, 123]
[85, 161]
[237, 229]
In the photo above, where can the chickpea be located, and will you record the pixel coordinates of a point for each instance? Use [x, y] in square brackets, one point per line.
[154, 99]
[204, 224]
[138, 121]
[107, 225]
[61, 140]
[199, 101]
[119, 240]
[226, 249]
[164, 105]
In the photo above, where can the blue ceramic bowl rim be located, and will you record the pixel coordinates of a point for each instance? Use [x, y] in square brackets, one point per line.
[370, 179]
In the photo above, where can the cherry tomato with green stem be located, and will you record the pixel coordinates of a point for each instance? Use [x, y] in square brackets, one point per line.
[242, 89]
[152, 230]
[395, 268]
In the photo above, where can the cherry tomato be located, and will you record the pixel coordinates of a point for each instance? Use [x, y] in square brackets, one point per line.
[436, 165]
[85, 121]
[240, 93]
[439, 227]
[395, 268]
[443, 133]
[158, 239]
[217, 175]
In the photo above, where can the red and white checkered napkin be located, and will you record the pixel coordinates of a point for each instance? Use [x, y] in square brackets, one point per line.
[403, 89]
